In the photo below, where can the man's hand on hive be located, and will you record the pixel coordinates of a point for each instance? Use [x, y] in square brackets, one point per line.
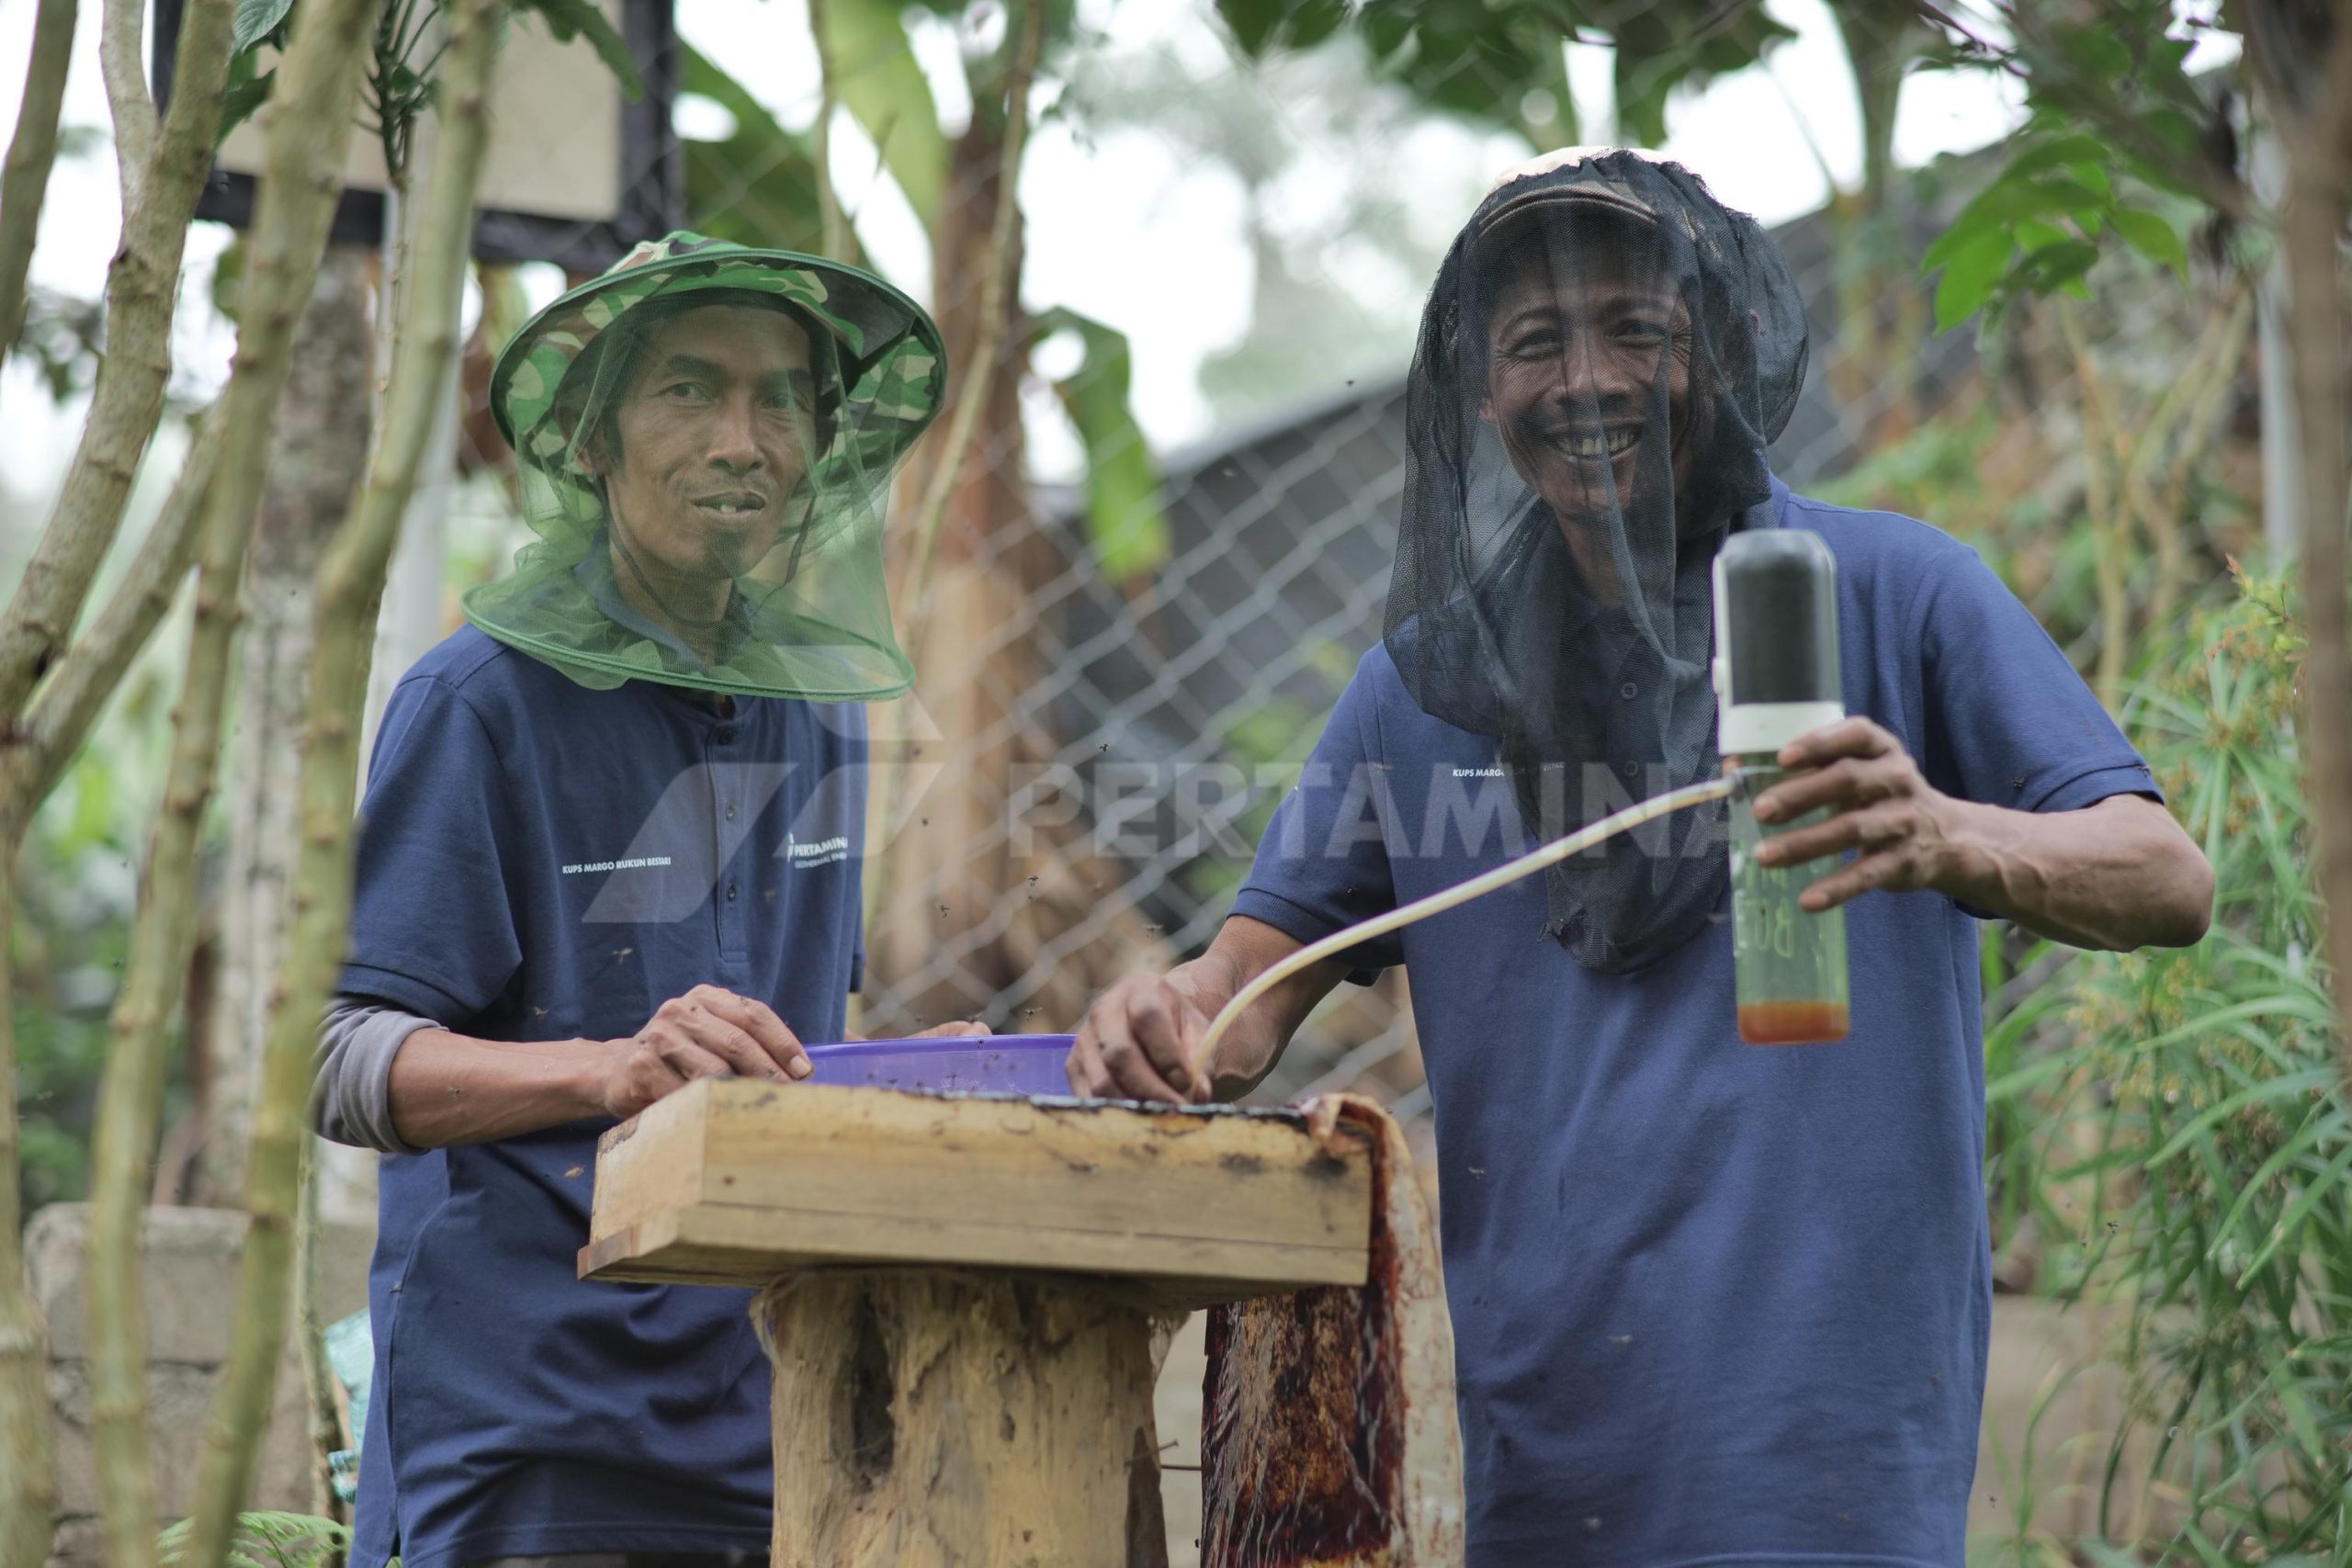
[1137, 1043]
[706, 1033]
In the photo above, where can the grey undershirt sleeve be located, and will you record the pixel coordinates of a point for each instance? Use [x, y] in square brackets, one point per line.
[351, 1099]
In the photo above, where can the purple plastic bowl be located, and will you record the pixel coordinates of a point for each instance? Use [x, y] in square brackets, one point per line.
[990, 1063]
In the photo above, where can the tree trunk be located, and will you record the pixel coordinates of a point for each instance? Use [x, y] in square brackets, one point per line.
[936, 1419]
[130, 1091]
[349, 588]
[2315, 222]
[319, 452]
[970, 918]
[26, 1453]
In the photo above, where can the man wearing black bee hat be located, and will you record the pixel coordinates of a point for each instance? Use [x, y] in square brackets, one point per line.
[1712, 1302]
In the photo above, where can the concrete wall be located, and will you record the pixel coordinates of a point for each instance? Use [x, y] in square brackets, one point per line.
[191, 1287]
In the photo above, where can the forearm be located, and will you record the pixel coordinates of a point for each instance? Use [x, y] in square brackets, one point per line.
[350, 1097]
[2116, 876]
[453, 1088]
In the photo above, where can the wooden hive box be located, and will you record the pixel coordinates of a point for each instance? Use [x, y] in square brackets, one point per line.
[734, 1181]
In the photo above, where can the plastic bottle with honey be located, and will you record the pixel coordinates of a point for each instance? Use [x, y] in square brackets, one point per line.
[1776, 677]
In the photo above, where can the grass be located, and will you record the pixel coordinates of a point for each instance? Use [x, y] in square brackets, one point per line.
[2175, 1126]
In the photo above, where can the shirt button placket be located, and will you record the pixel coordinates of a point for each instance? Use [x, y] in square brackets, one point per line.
[730, 891]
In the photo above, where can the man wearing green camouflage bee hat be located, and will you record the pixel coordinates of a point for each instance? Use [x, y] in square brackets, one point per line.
[610, 844]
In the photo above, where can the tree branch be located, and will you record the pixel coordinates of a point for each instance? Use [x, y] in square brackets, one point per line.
[120, 34]
[350, 587]
[70, 700]
[2099, 107]
[130, 1090]
[326, 1423]
[32, 151]
[141, 288]
[27, 1476]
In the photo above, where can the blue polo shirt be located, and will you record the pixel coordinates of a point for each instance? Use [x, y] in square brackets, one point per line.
[540, 861]
[1713, 1302]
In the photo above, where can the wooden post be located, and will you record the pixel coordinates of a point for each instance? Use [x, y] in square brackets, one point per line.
[946, 1418]
[960, 1294]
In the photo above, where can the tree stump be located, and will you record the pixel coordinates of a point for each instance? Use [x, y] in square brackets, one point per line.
[959, 1294]
[938, 1418]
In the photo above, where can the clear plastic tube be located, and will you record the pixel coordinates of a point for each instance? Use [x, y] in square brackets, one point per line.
[1503, 875]
[1790, 963]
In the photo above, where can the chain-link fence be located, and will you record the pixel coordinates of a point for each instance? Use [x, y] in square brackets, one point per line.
[1112, 703]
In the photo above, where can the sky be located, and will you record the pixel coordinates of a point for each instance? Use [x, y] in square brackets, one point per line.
[1123, 226]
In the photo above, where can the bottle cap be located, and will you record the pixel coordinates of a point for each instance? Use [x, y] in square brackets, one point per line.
[1776, 639]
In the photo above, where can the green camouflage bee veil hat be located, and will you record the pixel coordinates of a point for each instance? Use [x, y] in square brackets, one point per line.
[705, 435]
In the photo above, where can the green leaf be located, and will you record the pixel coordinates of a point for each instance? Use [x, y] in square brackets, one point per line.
[1481, 59]
[255, 21]
[1642, 84]
[757, 187]
[2055, 267]
[2032, 234]
[2077, 150]
[1314, 21]
[2009, 201]
[1970, 270]
[2319, 1189]
[2148, 233]
[567, 20]
[2034, 198]
[2315, 1078]
[240, 100]
[291, 1540]
[2096, 53]
[1126, 520]
[1264, 27]
[1253, 23]
[2176, 129]
[1966, 230]
[877, 79]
